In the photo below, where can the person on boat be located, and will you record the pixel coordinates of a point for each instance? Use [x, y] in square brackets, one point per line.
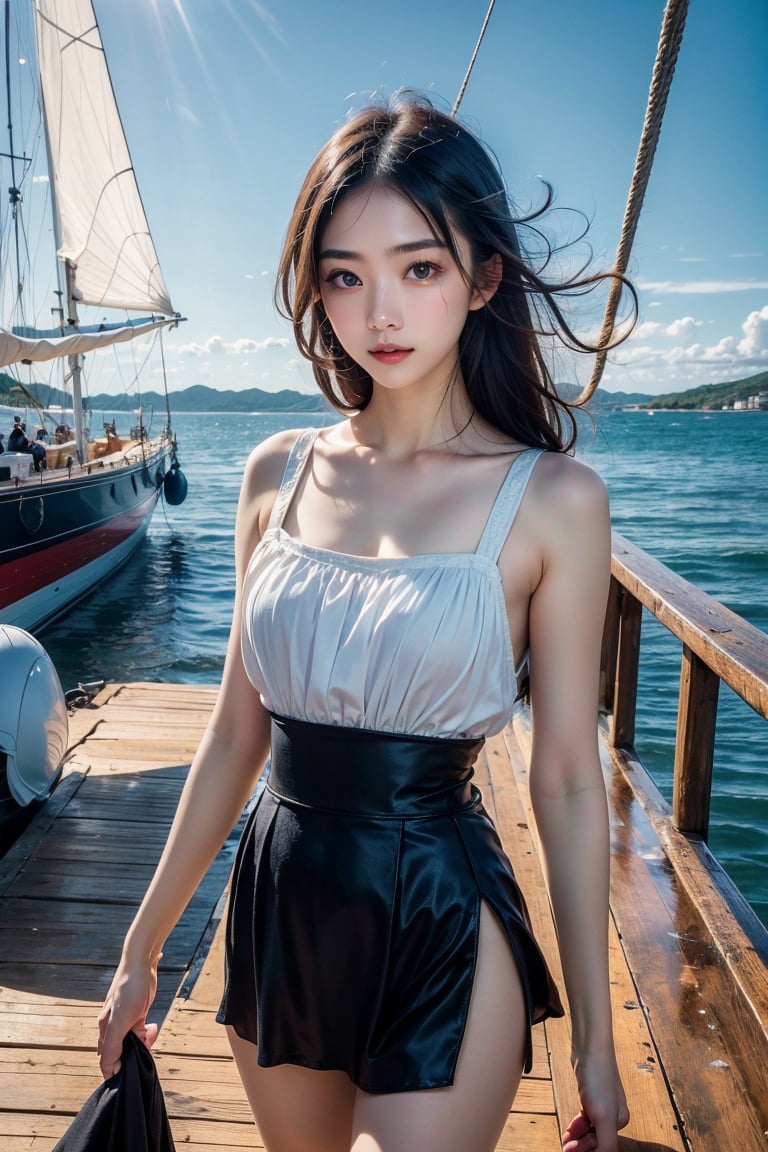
[39, 455]
[17, 438]
[403, 577]
[19, 442]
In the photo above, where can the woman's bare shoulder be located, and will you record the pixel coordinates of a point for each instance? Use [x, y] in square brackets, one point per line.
[266, 463]
[262, 476]
[566, 505]
[563, 486]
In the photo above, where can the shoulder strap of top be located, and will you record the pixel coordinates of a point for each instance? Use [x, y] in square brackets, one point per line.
[294, 466]
[507, 503]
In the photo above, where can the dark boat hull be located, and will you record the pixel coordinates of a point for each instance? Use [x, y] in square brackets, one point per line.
[61, 535]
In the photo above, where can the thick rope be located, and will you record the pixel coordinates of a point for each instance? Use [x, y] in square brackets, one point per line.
[465, 81]
[670, 39]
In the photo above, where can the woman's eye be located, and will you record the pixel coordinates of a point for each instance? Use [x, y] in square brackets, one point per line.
[421, 271]
[344, 279]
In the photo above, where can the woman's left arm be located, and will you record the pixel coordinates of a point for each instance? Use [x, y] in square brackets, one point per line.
[566, 615]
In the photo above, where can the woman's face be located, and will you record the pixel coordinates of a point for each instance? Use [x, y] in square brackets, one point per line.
[393, 293]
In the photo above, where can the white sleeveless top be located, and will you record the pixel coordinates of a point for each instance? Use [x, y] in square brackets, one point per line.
[417, 645]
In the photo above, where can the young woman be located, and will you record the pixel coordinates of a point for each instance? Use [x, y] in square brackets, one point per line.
[403, 577]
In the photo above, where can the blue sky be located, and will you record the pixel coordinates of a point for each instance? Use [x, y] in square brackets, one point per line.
[225, 102]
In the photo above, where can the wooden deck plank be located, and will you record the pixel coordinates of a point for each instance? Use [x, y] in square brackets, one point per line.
[39, 1131]
[84, 760]
[42, 878]
[59, 983]
[527, 1133]
[68, 890]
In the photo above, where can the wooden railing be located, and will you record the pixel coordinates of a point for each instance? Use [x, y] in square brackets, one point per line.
[717, 645]
[698, 948]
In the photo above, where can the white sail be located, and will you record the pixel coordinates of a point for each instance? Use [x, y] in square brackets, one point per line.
[36, 350]
[102, 225]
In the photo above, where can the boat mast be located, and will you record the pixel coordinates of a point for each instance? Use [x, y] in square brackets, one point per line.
[13, 192]
[75, 366]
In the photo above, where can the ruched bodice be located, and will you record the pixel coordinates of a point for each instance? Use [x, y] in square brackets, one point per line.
[417, 645]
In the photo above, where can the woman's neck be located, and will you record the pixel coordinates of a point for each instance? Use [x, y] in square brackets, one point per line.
[402, 423]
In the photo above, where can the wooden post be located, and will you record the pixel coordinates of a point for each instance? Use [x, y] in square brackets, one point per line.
[627, 663]
[610, 647]
[694, 745]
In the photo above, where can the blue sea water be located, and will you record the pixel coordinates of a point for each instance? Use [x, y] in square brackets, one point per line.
[691, 488]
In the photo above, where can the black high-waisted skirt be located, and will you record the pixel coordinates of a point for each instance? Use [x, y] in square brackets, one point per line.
[354, 910]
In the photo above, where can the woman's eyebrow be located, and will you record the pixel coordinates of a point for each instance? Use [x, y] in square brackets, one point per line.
[398, 250]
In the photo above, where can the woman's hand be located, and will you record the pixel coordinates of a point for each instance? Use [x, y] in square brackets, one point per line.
[125, 1010]
[604, 1109]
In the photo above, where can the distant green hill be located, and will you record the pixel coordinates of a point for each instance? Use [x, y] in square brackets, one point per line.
[713, 396]
[200, 398]
[14, 395]
[196, 399]
[602, 399]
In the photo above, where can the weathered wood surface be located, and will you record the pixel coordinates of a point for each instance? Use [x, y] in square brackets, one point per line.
[68, 889]
[694, 744]
[704, 955]
[627, 669]
[731, 647]
[686, 1070]
[717, 1034]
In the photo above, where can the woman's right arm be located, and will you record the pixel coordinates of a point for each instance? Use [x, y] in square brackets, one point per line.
[221, 778]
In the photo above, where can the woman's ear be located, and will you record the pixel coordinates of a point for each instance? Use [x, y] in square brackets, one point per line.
[488, 278]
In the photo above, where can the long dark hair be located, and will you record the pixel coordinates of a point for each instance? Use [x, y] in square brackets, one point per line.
[449, 176]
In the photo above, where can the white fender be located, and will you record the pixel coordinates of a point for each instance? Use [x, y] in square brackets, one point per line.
[34, 728]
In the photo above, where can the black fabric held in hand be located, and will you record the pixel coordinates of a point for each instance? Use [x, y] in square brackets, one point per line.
[126, 1113]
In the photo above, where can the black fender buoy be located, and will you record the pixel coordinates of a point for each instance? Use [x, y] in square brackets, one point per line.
[175, 485]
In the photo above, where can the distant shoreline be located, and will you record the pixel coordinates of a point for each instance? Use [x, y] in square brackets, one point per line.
[708, 411]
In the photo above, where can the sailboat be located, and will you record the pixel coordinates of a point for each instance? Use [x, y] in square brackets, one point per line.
[65, 528]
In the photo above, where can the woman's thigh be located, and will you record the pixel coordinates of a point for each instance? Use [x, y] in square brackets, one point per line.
[468, 1116]
[296, 1109]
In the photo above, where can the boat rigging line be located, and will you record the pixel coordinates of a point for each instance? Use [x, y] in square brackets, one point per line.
[465, 81]
[670, 39]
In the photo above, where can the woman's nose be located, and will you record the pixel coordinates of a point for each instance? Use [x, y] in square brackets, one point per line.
[385, 310]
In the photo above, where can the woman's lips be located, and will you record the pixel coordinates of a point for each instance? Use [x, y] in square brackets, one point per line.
[390, 354]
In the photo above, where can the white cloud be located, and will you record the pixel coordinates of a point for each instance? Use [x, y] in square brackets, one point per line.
[41, 179]
[684, 327]
[755, 329]
[647, 328]
[700, 287]
[693, 259]
[246, 346]
[215, 346]
[651, 365]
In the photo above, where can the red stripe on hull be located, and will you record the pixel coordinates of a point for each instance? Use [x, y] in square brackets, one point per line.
[31, 573]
